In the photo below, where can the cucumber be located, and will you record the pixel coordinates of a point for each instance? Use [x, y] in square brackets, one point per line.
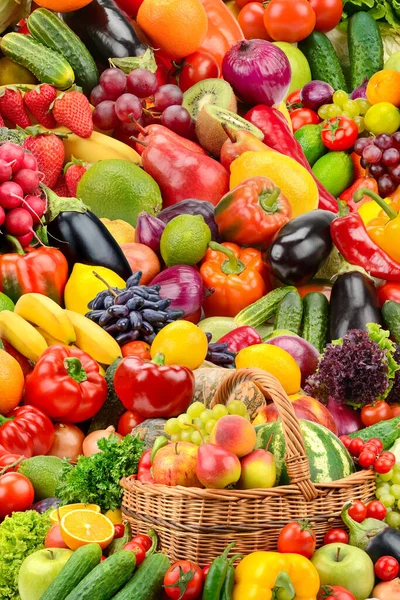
[49, 30]
[323, 60]
[289, 313]
[106, 579]
[147, 583]
[257, 313]
[316, 320]
[387, 431]
[47, 66]
[365, 48]
[81, 563]
[391, 316]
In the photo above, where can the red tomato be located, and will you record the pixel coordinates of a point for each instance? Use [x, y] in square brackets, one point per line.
[119, 531]
[395, 410]
[316, 286]
[336, 536]
[251, 20]
[187, 574]
[328, 13]
[303, 116]
[196, 67]
[205, 570]
[377, 443]
[358, 511]
[131, 7]
[287, 21]
[355, 446]
[346, 440]
[54, 538]
[298, 538]
[293, 101]
[334, 592]
[138, 550]
[241, 3]
[143, 540]
[386, 568]
[376, 510]
[140, 349]
[10, 459]
[375, 413]
[339, 133]
[389, 456]
[367, 458]
[383, 465]
[128, 421]
[16, 493]
[388, 291]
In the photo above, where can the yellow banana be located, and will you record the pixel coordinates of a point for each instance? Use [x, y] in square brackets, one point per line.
[98, 147]
[91, 338]
[46, 314]
[21, 335]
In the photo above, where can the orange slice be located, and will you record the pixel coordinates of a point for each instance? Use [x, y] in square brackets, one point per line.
[60, 512]
[82, 527]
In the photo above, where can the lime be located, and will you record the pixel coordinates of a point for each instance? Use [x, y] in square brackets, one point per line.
[6, 303]
[393, 62]
[118, 189]
[309, 138]
[185, 240]
[383, 117]
[301, 73]
[83, 286]
[335, 171]
[44, 473]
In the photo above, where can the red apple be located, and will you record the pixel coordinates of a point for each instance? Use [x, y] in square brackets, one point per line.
[175, 464]
[216, 467]
[234, 433]
[258, 470]
[53, 537]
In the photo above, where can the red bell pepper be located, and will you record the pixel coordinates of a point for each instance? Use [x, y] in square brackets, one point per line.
[144, 473]
[26, 431]
[362, 182]
[66, 384]
[223, 29]
[240, 338]
[152, 388]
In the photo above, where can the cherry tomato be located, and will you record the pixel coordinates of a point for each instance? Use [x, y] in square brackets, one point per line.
[128, 421]
[241, 3]
[339, 133]
[395, 410]
[386, 568]
[355, 446]
[303, 116]
[205, 570]
[119, 531]
[383, 465]
[183, 576]
[346, 440]
[377, 442]
[298, 538]
[143, 540]
[371, 447]
[375, 413]
[103, 558]
[138, 550]
[328, 13]
[196, 67]
[140, 349]
[358, 511]
[389, 456]
[388, 291]
[251, 20]
[316, 285]
[367, 458]
[293, 101]
[336, 536]
[376, 510]
[16, 493]
[9, 459]
[334, 592]
[287, 21]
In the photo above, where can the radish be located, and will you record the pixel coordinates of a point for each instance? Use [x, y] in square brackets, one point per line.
[29, 162]
[36, 207]
[5, 171]
[19, 222]
[28, 180]
[2, 216]
[26, 239]
[12, 153]
[11, 195]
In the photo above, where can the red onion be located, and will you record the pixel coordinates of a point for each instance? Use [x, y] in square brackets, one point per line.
[184, 286]
[149, 230]
[316, 93]
[258, 71]
[360, 91]
[347, 418]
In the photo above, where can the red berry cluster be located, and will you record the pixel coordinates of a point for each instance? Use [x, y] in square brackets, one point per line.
[370, 454]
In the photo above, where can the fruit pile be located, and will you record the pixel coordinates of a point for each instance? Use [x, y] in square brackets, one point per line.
[381, 157]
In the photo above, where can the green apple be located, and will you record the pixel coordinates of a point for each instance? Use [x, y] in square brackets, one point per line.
[258, 470]
[301, 73]
[393, 62]
[348, 566]
[217, 326]
[39, 570]
[278, 333]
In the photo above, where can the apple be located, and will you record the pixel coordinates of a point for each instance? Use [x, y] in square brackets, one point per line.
[175, 464]
[39, 570]
[301, 73]
[217, 326]
[348, 566]
[258, 470]
[54, 538]
[216, 467]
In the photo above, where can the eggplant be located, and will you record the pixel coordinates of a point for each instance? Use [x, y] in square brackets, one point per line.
[301, 247]
[354, 303]
[191, 206]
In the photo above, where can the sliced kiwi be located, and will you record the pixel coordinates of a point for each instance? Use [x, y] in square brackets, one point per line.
[209, 92]
[210, 132]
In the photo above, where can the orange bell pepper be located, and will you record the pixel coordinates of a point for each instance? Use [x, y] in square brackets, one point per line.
[223, 29]
[237, 275]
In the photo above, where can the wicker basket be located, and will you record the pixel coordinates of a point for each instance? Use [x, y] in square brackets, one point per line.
[197, 524]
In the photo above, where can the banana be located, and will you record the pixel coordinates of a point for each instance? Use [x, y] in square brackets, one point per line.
[98, 147]
[21, 335]
[46, 314]
[91, 338]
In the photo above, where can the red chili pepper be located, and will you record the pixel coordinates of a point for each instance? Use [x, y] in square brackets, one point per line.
[363, 182]
[240, 338]
[26, 431]
[144, 474]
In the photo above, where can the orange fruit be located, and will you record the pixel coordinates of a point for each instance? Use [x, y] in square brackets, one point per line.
[384, 86]
[63, 5]
[11, 383]
[58, 513]
[177, 27]
[81, 527]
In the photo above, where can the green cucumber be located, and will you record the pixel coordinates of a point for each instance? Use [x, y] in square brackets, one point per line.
[387, 431]
[316, 320]
[47, 66]
[49, 30]
[147, 583]
[259, 312]
[365, 48]
[323, 60]
[81, 563]
[391, 316]
[289, 313]
[106, 579]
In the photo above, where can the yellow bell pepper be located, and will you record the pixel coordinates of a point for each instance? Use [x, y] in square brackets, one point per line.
[260, 575]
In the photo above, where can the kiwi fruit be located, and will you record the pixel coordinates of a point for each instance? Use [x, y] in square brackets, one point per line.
[209, 91]
[210, 132]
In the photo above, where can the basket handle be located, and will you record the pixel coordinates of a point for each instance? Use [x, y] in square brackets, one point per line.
[296, 459]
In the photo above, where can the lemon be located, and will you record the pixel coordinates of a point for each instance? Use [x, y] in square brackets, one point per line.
[383, 117]
[121, 231]
[83, 286]
[185, 240]
[182, 343]
[6, 303]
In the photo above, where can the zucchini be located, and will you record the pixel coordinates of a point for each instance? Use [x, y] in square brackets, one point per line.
[323, 60]
[49, 30]
[81, 563]
[106, 579]
[316, 320]
[147, 583]
[391, 316]
[387, 431]
[289, 313]
[47, 66]
[365, 48]
[257, 313]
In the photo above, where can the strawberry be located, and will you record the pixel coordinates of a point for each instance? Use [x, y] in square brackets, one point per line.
[61, 188]
[1, 121]
[72, 109]
[48, 150]
[12, 107]
[74, 172]
[38, 102]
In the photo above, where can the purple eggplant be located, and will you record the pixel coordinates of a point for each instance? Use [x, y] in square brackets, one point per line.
[44, 505]
[192, 207]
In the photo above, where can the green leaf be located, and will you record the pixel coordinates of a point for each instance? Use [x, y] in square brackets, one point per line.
[130, 63]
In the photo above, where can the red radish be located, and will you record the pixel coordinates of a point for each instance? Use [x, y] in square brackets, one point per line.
[19, 222]
[5, 171]
[2, 216]
[36, 206]
[12, 153]
[11, 195]
[25, 240]
[28, 180]
[29, 162]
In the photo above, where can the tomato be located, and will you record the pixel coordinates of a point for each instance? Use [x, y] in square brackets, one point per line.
[293, 101]
[183, 576]
[298, 538]
[375, 413]
[241, 3]
[143, 540]
[119, 530]
[346, 440]
[377, 443]
[287, 21]
[205, 570]
[355, 446]
[140, 349]
[334, 592]
[129, 421]
[16, 493]
[383, 465]
[328, 13]
[389, 456]
[138, 550]
[339, 133]
[194, 318]
[367, 458]
[376, 510]
[317, 285]
[10, 459]
[388, 291]
[336, 536]
[196, 67]
[251, 20]
[386, 568]
[395, 410]
[303, 116]
[54, 538]
[358, 511]
[131, 7]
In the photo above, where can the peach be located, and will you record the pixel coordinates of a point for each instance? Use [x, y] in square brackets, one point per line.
[175, 464]
[216, 467]
[258, 470]
[234, 433]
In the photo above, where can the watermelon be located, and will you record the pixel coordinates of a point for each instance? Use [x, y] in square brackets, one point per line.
[328, 458]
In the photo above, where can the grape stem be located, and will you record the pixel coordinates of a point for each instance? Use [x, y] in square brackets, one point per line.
[105, 283]
[197, 429]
